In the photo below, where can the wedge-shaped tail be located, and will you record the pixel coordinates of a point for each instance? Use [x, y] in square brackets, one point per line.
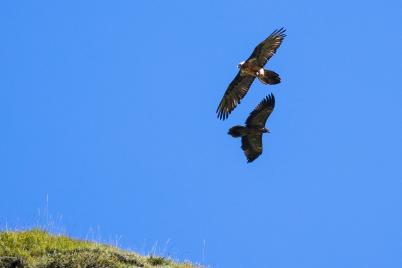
[237, 131]
[268, 77]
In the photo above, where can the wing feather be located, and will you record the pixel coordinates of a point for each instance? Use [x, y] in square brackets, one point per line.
[259, 116]
[236, 91]
[267, 48]
[252, 146]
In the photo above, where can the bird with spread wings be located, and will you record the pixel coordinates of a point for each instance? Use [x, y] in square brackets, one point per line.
[251, 134]
[250, 69]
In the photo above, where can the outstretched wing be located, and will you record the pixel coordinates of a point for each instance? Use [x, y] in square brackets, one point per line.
[234, 93]
[267, 48]
[252, 146]
[259, 116]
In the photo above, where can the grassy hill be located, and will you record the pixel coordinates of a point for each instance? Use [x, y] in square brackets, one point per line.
[39, 249]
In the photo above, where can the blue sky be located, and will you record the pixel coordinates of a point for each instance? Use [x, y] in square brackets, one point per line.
[109, 110]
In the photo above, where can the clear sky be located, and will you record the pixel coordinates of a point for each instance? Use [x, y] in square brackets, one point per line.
[108, 108]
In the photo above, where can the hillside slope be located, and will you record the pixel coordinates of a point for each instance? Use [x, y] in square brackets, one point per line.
[39, 249]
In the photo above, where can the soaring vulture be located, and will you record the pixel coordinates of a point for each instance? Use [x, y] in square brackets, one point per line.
[249, 70]
[251, 134]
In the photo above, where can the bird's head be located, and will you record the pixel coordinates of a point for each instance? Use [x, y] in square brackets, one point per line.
[240, 64]
[265, 130]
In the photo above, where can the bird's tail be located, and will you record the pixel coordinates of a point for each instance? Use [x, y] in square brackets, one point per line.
[236, 131]
[268, 77]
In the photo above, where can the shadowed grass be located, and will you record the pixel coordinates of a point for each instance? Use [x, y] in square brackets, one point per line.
[39, 249]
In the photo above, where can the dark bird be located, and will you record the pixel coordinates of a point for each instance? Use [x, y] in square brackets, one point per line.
[251, 134]
[250, 69]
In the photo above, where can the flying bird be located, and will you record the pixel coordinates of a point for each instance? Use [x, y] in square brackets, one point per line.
[250, 69]
[251, 134]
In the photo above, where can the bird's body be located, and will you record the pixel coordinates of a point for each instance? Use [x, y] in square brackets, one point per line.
[241, 131]
[250, 69]
[251, 133]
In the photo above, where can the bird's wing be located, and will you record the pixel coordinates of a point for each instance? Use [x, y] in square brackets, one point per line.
[259, 116]
[252, 146]
[234, 93]
[267, 48]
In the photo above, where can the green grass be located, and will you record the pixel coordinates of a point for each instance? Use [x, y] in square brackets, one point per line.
[39, 249]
